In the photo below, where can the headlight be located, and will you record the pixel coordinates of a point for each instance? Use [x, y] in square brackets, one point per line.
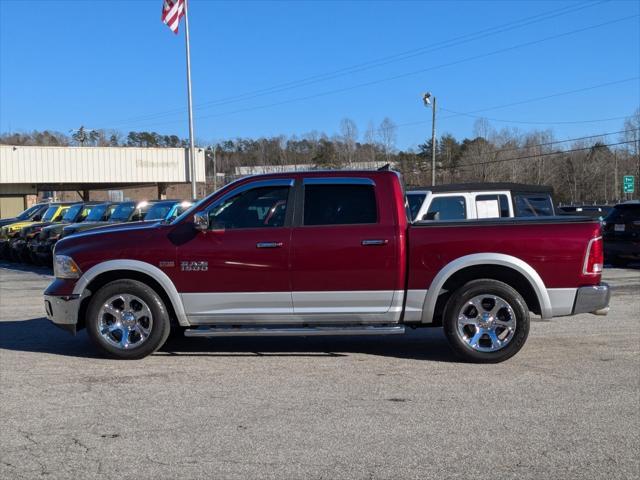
[65, 267]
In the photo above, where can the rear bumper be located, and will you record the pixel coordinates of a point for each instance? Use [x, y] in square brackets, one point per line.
[593, 299]
[63, 310]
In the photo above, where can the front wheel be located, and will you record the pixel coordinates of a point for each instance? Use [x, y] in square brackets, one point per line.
[127, 319]
[486, 321]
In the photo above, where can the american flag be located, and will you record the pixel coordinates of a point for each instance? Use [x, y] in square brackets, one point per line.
[172, 12]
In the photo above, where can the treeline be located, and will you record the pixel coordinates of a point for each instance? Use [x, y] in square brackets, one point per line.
[587, 169]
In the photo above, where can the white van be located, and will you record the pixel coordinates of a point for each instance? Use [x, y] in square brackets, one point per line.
[468, 201]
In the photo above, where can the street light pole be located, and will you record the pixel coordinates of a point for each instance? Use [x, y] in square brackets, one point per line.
[429, 99]
[433, 143]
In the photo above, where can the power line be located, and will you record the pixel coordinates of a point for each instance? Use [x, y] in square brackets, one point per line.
[563, 152]
[407, 74]
[546, 144]
[530, 100]
[569, 122]
[380, 61]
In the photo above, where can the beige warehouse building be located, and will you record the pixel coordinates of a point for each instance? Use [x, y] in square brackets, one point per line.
[91, 172]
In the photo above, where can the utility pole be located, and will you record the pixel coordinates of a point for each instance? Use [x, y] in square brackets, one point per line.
[428, 99]
[215, 168]
[615, 176]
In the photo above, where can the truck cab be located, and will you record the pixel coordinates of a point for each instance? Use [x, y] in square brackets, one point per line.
[480, 200]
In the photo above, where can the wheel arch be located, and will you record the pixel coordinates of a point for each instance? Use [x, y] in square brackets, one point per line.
[105, 272]
[497, 266]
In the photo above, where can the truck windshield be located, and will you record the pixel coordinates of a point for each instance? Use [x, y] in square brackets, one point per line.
[159, 211]
[122, 212]
[28, 213]
[49, 214]
[71, 214]
[97, 213]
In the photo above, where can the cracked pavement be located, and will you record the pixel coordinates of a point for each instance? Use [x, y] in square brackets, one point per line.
[399, 407]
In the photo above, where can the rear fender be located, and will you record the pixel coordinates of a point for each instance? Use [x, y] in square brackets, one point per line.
[429, 306]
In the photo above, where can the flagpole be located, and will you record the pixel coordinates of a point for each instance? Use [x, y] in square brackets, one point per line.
[192, 146]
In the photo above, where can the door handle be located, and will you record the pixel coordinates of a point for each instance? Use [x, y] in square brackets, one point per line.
[374, 242]
[268, 244]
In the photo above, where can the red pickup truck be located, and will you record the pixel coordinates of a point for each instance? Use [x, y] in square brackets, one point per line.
[324, 253]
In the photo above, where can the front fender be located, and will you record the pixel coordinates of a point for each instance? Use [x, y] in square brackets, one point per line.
[136, 266]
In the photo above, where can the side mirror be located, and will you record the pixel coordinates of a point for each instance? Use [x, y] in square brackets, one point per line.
[37, 218]
[201, 221]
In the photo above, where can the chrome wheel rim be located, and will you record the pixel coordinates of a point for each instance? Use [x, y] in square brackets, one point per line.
[125, 321]
[486, 323]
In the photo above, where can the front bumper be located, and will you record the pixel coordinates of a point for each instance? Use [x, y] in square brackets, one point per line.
[63, 311]
[42, 250]
[19, 247]
[4, 248]
[592, 299]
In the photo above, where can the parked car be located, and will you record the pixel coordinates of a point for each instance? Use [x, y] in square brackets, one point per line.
[177, 210]
[161, 210]
[20, 245]
[621, 233]
[146, 211]
[40, 245]
[480, 200]
[11, 232]
[324, 253]
[98, 218]
[33, 213]
[592, 211]
[123, 212]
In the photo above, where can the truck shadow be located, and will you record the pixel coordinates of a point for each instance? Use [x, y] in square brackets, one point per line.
[38, 335]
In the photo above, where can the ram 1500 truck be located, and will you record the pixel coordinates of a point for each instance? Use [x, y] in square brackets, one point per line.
[324, 253]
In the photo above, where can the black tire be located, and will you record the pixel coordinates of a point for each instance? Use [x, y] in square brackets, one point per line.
[458, 301]
[159, 330]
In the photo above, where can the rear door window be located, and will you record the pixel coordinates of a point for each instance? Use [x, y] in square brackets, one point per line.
[447, 208]
[339, 204]
[492, 206]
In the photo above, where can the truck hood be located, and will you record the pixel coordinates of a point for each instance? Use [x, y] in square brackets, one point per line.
[12, 228]
[116, 227]
[131, 240]
[34, 227]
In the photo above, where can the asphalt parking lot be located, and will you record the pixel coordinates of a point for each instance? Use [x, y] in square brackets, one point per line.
[567, 406]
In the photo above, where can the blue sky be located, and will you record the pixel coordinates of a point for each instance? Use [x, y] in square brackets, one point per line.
[113, 64]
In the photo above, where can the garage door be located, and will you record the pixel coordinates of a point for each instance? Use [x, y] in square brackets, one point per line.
[11, 206]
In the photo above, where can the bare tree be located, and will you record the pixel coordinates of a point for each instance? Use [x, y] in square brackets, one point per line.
[349, 134]
[387, 132]
[371, 142]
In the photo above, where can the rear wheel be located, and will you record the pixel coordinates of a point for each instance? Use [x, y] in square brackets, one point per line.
[486, 321]
[127, 319]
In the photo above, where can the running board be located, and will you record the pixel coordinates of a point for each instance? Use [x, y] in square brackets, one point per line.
[293, 331]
